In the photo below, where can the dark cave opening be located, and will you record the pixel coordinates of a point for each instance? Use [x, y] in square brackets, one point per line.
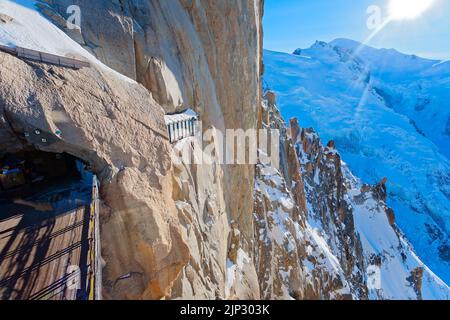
[25, 173]
[46, 224]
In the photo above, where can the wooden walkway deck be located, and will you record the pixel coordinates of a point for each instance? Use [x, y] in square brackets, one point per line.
[39, 247]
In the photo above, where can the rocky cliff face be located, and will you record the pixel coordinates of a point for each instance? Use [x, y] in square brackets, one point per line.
[200, 54]
[418, 185]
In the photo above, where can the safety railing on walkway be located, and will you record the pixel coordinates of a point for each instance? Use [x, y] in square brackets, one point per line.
[39, 56]
[182, 125]
[94, 275]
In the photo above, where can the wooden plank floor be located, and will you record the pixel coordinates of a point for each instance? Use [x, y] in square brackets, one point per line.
[38, 244]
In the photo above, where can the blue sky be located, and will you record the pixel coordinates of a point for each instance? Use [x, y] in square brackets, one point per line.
[291, 24]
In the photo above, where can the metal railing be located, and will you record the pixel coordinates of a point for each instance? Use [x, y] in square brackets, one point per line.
[182, 129]
[94, 275]
[39, 56]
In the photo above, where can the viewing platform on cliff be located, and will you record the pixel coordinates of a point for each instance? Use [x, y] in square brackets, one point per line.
[181, 125]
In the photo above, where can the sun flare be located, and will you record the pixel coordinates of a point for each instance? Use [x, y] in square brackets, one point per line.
[408, 9]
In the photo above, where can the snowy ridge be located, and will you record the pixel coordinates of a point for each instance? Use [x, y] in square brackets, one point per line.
[398, 257]
[336, 238]
[413, 86]
[399, 273]
[282, 235]
[280, 229]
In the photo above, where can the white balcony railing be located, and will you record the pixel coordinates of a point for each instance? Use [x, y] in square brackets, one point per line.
[182, 125]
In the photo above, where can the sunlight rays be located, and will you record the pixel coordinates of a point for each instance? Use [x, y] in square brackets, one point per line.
[398, 10]
[408, 9]
[380, 28]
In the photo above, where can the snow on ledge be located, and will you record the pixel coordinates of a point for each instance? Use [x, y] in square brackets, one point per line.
[30, 29]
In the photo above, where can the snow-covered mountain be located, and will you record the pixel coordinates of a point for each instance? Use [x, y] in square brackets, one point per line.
[389, 115]
[413, 86]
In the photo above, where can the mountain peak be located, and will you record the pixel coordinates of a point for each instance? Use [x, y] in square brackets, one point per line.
[372, 55]
[343, 43]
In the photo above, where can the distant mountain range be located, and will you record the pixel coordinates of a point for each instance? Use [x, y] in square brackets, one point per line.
[389, 114]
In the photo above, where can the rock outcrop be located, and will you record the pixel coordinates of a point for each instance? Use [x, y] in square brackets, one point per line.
[325, 235]
[293, 259]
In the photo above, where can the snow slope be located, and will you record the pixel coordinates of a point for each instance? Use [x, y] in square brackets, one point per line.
[399, 258]
[385, 111]
[416, 87]
[389, 261]
[30, 29]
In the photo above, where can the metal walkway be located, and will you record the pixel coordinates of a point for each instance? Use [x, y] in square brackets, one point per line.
[50, 245]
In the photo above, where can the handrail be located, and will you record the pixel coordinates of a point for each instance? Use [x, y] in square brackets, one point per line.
[44, 57]
[182, 129]
[94, 275]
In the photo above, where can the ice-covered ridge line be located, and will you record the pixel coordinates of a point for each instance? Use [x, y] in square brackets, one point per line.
[378, 238]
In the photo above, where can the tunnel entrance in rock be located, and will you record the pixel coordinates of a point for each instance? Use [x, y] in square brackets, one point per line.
[49, 208]
[25, 173]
